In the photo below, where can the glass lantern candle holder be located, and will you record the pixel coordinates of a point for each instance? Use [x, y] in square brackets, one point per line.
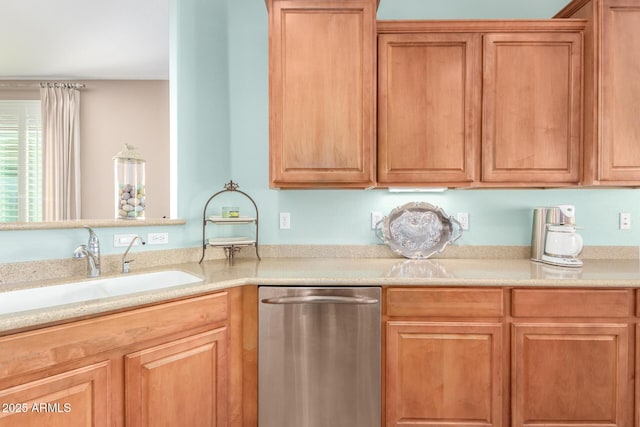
[129, 174]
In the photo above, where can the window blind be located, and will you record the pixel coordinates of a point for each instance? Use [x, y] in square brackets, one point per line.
[20, 161]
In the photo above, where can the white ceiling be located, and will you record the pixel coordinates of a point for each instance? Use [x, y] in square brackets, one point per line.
[84, 39]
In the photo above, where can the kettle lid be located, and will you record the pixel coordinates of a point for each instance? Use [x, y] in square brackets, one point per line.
[561, 214]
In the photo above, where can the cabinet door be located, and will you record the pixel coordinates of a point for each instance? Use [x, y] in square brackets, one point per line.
[620, 144]
[565, 374]
[532, 108]
[76, 398]
[444, 373]
[428, 108]
[321, 92]
[183, 382]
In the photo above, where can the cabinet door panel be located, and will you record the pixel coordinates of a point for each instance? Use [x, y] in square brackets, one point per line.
[183, 382]
[76, 398]
[620, 147]
[570, 374]
[444, 373]
[532, 108]
[322, 57]
[428, 107]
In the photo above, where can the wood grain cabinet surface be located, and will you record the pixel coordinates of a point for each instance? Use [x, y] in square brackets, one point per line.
[572, 357]
[568, 373]
[428, 108]
[532, 108]
[480, 103]
[444, 373]
[322, 93]
[612, 89]
[444, 357]
[510, 357]
[74, 398]
[182, 382]
[164, 364]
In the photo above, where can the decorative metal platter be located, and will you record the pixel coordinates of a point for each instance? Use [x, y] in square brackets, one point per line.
[418, 230]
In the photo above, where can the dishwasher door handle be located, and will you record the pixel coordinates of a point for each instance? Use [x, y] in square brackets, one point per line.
[320, 299]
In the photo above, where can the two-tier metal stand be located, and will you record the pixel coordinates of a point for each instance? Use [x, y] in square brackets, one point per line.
[231, 245]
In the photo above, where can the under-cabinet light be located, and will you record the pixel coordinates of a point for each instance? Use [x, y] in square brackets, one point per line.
[417, 189]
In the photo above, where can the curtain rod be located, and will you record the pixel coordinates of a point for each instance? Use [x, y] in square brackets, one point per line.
[35, 85]
[63, 85]
[16, 85]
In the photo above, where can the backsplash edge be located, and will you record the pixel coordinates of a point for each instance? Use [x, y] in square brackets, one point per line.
[20, 272]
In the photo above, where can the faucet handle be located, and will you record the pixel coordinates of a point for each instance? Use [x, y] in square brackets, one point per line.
[80, 252]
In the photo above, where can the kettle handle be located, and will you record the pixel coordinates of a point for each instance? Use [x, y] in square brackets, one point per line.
[580, 243]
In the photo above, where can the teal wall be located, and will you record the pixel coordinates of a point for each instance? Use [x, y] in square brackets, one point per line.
[219, 85]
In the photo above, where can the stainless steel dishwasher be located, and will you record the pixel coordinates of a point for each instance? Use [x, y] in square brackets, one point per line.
[319, 357]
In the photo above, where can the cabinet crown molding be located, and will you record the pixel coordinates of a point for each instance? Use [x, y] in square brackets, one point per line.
[268, 2]
[479, 26]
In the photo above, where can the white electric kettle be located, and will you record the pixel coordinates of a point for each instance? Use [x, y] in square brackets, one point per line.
[554, 239]
[563, 241]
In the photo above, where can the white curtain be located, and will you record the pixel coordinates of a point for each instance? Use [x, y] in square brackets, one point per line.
[60, 151]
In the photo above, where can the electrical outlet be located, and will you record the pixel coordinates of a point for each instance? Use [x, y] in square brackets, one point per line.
[376, 217]
[285, 220]
[625, 221]
[158, 238]
[463, 219]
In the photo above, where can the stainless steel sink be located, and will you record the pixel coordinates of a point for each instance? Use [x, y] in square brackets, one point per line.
[88, 290]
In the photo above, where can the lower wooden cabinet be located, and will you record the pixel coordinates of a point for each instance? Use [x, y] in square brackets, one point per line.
[452, 357]
[564, 373]
[571, 357]
[444, 357]
[182, 382]
[166, 364]
[511, 357]
[444, 373]
[77, 397]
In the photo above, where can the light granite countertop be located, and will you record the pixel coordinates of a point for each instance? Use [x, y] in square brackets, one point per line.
[219, 275]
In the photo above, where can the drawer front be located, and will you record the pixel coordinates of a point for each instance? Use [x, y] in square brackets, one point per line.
[41, 348]
[445, 302]
[571, 303]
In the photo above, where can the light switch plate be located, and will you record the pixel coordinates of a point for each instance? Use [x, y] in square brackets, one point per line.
[463, 219]
[123, 240]
[376, 217]
[285, 220]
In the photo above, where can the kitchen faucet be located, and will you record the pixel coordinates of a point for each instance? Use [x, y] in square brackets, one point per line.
[125, 263]
[90, 251]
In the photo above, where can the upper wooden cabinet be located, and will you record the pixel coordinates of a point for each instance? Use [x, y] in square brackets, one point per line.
[322, 60]
[480, 103]
[428, 108]
[612, 89]
[532, 108]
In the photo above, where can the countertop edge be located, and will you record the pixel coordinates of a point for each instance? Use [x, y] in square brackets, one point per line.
[40, 318]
